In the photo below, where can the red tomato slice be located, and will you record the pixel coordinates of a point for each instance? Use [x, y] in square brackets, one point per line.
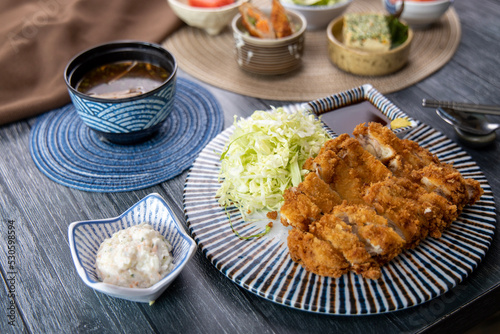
[209, 3]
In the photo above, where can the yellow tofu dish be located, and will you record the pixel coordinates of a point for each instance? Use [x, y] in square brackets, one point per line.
[366, 31]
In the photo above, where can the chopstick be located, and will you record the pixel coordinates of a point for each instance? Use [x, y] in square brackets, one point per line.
[465, 107]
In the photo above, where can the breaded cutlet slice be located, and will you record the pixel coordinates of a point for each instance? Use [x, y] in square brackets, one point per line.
[298, 210]
[316, 255]
[342, 179]
[401, 156]
[382, 239]
[446, 181]
[392, 201]
[341, 236]
[368, 168]
[319, 192]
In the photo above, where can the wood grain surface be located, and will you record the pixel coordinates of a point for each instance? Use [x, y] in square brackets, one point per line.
[51, 298]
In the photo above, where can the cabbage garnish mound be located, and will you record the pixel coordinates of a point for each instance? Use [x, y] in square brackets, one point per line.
[264, 156]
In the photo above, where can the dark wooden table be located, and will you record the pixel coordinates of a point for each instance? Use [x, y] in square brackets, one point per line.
[51, 298]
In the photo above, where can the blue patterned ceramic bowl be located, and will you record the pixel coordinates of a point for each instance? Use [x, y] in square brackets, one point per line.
[85, 237]
[125, 120]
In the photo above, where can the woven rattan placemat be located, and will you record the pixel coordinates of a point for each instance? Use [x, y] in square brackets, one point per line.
[211, 59]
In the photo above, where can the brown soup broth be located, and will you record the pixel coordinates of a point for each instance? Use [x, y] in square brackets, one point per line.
[345, 119]
[122, 79]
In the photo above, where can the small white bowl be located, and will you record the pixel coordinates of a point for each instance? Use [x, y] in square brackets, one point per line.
[419, 14]
[318, 17]
[212, 20]
[85, 237]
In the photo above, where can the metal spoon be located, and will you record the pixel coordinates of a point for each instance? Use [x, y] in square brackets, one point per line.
[470, 123]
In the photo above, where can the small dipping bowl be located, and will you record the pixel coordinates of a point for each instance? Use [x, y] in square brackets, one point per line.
[126, 120]
[270, 56]
[85, 238]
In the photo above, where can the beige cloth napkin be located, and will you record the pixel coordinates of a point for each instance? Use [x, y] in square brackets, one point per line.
[39, 37]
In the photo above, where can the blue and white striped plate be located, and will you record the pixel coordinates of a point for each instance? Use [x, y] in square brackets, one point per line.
[264, 267]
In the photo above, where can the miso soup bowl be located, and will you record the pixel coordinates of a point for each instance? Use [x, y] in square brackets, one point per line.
[126, 120]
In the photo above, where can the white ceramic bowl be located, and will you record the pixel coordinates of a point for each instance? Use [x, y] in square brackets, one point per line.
[212, 20]
[419, 14]
[85, 237]
[270, 56]
[318, 17]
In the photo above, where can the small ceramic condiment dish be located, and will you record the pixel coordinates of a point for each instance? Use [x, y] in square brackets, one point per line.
[418, 14]
[318, 17]
[270, 56]
[128, 119]
[211, 19]
[85, 237]
[363, 62]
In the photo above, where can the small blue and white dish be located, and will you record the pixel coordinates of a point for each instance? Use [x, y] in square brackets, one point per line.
[123, 118]
[85, 237]
[341, 112]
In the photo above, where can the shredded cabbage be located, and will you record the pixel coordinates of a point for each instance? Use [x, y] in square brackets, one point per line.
[264, 156]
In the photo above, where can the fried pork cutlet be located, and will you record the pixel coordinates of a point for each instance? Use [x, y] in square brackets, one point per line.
[368, 168]
[343, 180]
[446, 181]
[298, 210]
[401, 156]
[316, 255]
[389, 200]
[382, 240]
[340, 235]
[347, 168]
[416, 212]
[406, 158]
[319, 192]
[368, 198]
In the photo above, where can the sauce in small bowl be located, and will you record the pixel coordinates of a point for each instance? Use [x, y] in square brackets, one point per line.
[122, 79]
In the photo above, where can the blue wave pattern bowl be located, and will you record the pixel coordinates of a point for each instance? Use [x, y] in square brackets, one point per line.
[123, 120]
[85, 237]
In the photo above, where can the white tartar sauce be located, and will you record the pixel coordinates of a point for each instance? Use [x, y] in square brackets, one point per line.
[136, 257]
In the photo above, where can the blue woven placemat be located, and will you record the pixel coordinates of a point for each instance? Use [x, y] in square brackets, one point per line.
[71, 154]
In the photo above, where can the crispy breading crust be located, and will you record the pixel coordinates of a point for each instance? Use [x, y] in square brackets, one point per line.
[255, 22]
[368, 198]
[316, 255]
[280, 21]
